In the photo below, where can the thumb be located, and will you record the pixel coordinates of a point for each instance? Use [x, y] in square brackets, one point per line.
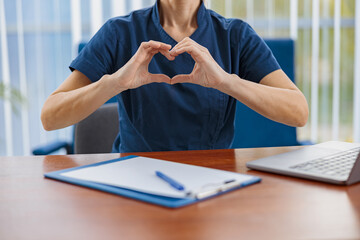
[159, 78]
[182, 78]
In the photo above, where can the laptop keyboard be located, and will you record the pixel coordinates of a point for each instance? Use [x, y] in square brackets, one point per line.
[338, 165]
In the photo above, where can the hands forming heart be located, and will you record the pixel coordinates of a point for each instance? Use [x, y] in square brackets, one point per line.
[135, 72]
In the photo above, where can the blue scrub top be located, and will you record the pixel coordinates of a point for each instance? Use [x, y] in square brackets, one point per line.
[162, 117]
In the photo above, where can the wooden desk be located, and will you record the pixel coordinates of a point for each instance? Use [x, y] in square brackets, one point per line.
[32, 207]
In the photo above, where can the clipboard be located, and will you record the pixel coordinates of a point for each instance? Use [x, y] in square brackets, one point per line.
[149, 188]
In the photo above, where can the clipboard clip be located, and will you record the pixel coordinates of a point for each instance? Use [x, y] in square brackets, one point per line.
[214, 189]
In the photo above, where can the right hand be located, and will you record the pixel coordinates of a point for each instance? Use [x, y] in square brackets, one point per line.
[135, 72]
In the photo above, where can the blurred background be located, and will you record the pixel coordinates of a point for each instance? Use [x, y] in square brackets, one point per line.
[39, 39]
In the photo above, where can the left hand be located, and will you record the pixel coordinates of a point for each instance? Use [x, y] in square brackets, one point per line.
[206, 71]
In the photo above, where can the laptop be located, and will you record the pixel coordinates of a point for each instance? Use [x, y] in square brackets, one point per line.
[332, 162]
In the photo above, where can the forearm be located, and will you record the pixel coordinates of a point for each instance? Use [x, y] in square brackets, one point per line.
[276, 97]
[283, 105]
[76, 98]
[63, 109]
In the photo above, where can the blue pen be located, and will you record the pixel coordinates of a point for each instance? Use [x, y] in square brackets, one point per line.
[172, 182]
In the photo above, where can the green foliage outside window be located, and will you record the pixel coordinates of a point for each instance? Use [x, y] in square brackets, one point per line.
[13, 95]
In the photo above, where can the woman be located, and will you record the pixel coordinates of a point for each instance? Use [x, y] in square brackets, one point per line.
[184, 97]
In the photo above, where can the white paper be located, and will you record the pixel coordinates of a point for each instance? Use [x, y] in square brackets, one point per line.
[139, 174]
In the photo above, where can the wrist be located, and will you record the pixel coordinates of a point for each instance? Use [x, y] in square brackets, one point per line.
[110, 85]
[226, 83]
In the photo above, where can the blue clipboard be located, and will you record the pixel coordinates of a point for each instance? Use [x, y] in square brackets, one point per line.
[145, 197]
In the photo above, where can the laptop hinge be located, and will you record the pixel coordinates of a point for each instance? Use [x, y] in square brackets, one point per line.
[354, 176]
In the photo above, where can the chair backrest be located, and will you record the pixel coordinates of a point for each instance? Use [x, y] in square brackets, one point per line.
[254, 130]
[97, 132]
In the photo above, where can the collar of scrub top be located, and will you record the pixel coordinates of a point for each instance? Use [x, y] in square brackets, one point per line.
[202, 22]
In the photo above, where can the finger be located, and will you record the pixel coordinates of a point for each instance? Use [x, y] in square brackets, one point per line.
[185, 42]
[189, 45]
[182, 78]
[142, 54]
[148, 47]
[167, 55]
[195, 52]
[173, 51]
[179, 45]
[149, 55]
[153, 51]
[153, 47]
[158, 45]
[163, 52]
[147, 50]
[159, 78]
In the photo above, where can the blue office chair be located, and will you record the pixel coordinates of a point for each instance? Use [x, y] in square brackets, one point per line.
[254, 130]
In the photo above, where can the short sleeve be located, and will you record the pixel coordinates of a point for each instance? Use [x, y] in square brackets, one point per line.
[256, 58]
[97, 58]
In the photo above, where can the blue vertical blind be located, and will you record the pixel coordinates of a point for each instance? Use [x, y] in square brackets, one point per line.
[39, 39]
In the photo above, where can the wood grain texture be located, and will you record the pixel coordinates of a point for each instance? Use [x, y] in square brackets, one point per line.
[32, 207]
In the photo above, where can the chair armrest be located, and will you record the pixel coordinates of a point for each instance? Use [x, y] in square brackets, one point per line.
[306, 142]
[52, 147]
